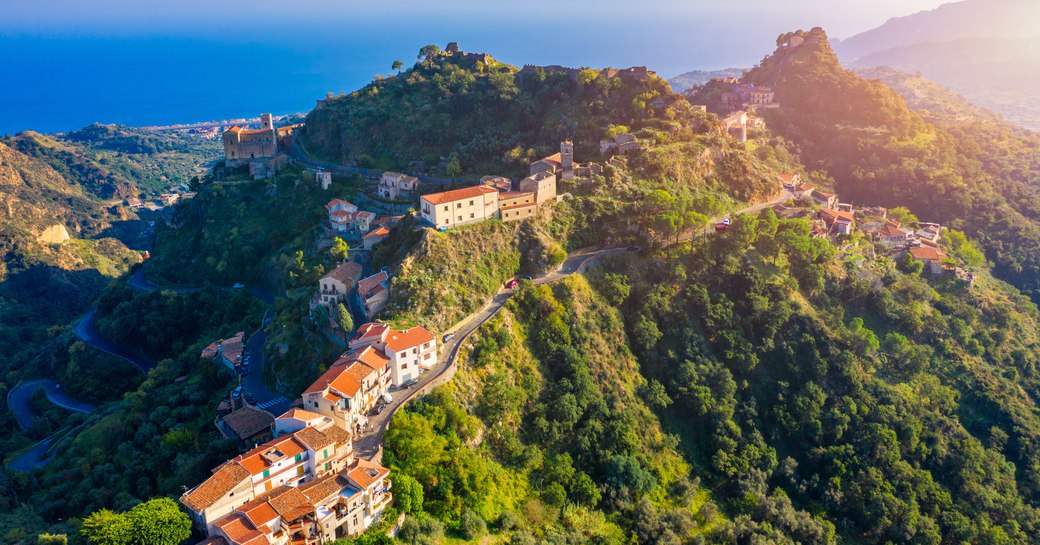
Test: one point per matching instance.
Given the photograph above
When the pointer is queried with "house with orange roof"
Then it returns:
(334, 286)
(893, 236)
(295, 420)
(789, 181)
(839, 222)
(374, 293)
(373, 237)
(338, 505)
(409, 352)
(288, 460)
(350, 388)
(227, 351)
(932, 258)
(459, 206)
(341, 213)
(824, 199)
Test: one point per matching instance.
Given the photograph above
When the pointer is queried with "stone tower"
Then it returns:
(567, 159)
(265, 122)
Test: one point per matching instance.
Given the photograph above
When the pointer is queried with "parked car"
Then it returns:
(236, 393)
(720, 227)
(526, 277)
(57, 386)
(387, 398)
(409, 383)
(377, 410)
(244, 371)
(513, 282)
(725, 221)
(250, 398)
(238, 285)
(448, 337)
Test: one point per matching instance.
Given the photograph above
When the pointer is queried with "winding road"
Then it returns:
(370, 444)
(19, 397)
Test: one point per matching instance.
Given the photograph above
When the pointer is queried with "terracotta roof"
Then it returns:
(838, 214)
(372, 358)
(927, 253)
(459, 194)
(555, 159)
(371, 330)
(335, 202)
(403, 340)
(300, 414)
(254, 460)
(381, 232)
(364, 473)
(215, 540)
(290, 503)
(336, 377)
(239, 530)
(340, 214)
(338, 434)
(891, 231)
(348, 273)
(788, 177)
(258, 511)
(823, 194)
(368, 284)
(313, 438)
(248, 421)
(321, 488)
(223, 480)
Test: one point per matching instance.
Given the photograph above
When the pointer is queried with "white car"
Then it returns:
(238, 285)
(725, 221)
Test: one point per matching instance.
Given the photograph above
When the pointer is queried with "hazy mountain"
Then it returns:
(693, 78)
(988, 51)
(974, 18)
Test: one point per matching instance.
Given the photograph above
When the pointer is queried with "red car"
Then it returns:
(513, 282)
(720, 227)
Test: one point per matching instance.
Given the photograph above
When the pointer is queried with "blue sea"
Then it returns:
(59, 80)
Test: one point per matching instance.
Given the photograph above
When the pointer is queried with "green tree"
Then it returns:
(397, 66)
(408, 493)
(339, 250)
(428, 53)
(106, 527)
(52, 539)
(453, 168)
(343, 318)
(159, 522)
(614, 288)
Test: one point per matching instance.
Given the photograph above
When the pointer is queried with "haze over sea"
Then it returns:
(67, 64)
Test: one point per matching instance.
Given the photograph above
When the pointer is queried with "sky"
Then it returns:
(71, 62)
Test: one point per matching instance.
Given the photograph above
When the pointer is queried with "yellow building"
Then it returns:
(517, 205)
(459, 206)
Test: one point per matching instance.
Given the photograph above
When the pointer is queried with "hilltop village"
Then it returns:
(312, 473)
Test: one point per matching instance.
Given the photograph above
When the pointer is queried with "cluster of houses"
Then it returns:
(346, 217)
(373, 291)
(497, 197)
(306, 485)
(833, 219)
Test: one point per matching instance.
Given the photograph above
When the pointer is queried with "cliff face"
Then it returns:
(47, 230)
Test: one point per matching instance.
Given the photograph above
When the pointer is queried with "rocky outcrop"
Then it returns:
(55, 234)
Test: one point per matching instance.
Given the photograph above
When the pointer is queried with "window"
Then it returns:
(460, 218)
(267, 486)
(471, 203)
(325, 453)
(299, 470)
(445, 208)
(298, 457)
(471, 215)
(459, 205)
(404, 366)
(267, 473)
(328, 466)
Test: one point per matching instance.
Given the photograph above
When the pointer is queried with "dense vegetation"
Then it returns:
(978, 176)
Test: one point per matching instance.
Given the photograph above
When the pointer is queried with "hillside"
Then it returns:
(998, 73)
(976, 177)
(476, 110)
(988, 51)
(948, 22)
(693, 78)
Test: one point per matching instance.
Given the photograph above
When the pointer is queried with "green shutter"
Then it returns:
(267, 473)
(299, 457)
(325, 453)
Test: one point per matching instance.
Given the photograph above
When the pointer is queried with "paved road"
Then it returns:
(266, 398)
(369, 444)
(18, 400)
(87, 332)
